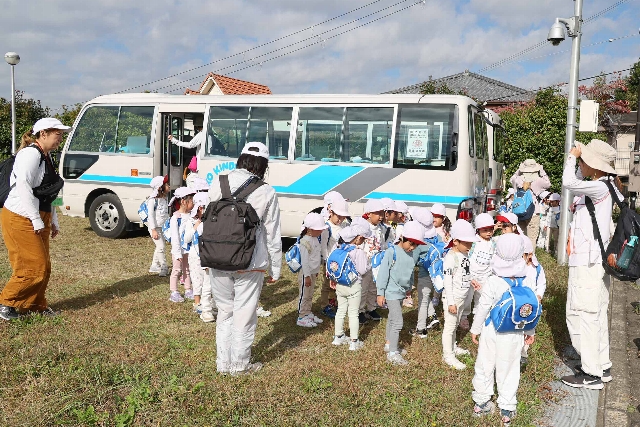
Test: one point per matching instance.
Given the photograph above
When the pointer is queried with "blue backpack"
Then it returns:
(517, 310)
(292, 256)
(166, 229)
(143, 210)
(340, 266)
(194, 241)
(523, 205)
(376, 260)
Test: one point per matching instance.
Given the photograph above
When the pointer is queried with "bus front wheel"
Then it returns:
(107, 216)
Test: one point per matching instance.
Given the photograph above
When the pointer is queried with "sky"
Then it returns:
(72, 51)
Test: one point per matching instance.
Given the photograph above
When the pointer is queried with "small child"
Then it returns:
(158, 214)
(505, 224)
(310, 258)
(337, 213)
(509, 201)
(349, 296)
(389, 223)
(441, 221)
(553, 220)
(190, 174)
(480, 262)
(457, 289)
(403, 217)
(537, 279)
(180, 257)
(373, 214)
(394, 280)
(543, 235)
(498, 353)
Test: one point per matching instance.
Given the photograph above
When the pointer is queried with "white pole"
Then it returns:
(13, 110)
(567, 197)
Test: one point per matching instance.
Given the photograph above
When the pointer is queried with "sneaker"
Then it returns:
(176, 297)
(340, 340)
(154, 269)
(329, 311)
(464, 324)
(407, 302)
(485, 409)
(207, 317)
(402, 351)
(523, 362)
(197, 308)
(606, 374)
(182, 281)
(433, 322)
(582, 379)
(396, 358)
(48, 312)
(188, 294)
(8, 313)
(315, 318)
(373, 315)
(421, 333)
(507, 416)
(355, 345)
(306, 322)
(435, 301)
(261, 312)
(454, 363)
(460, 351)
(251, 368)
(164, 272)
(362, 318)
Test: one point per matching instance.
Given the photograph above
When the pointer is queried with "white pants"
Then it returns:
(475, 299)
(369, 293)
(207, 303)
(196, 272)
(451, 322)
(425, 307)
(499, 354)
(236, 295)
(348, 304)
(587, 303)
(159, 259)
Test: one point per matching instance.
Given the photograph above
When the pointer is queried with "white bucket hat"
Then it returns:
(402, 207)
(484, 220)
(49, 123)
(200, 184)
(340, 207)
(180, 193)
(463, 230)
(507, 260)
(200, 199)
(263, 151)
(389, 204)
(555, 197)
(373, 205)
(599, 155)
(414, 232)
(425, 218)
(156, 184)
(314, 221)
(529, 166)
(438, 209)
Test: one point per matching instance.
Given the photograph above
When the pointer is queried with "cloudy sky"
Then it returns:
(75, 50)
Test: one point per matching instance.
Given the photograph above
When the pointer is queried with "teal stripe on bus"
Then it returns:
(419, 198)
(320, 180)
(115, 179)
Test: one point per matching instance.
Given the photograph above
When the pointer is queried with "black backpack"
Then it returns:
(6, 168)
(229, 228)
(628, 225)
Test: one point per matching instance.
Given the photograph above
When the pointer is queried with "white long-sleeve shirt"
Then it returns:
(198, 139)
(268, 250)
(176, 231)
(310, 255)
(538, 281)
(158, 209)
(28, 173)
(480, 260)
(329, 241)
(457, 277)
(374, 243)
(189, 232)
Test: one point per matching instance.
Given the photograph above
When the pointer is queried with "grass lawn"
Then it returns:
(122, 354)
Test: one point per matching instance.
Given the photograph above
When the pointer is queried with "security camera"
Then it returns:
(556, 33)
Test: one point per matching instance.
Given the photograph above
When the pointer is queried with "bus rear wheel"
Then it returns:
(107, 217)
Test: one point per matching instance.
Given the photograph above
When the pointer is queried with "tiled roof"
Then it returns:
(476, 86)
(231, 86)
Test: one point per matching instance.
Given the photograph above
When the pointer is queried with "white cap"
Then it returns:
(355, 230)
(463, 230)
(555, 197)
(332, 196)
(389, 204)
(156, 183)
(373, 205)
(402, 207)
(361, 221)
(314, 221)
(510, 191)
(510, 217)
(263, 151)
(49, 123)
(484, 220)
(200, 199)
(200, 184)
(425, 218)
(340, 207)
(180, 193)
(414, 231)
(438, 209)
(543, 195)
(507, 258)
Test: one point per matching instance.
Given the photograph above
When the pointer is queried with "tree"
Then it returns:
(28, 111)
(633, 81)
(69, 113)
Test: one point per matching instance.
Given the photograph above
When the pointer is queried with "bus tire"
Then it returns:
(107, 216)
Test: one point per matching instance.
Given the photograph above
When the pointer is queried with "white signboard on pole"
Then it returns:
(417, 143)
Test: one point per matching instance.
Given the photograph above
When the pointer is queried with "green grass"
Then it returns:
(122, 354)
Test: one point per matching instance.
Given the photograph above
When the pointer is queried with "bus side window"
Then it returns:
(96, 131)
(472, 135)
(480, 136)
(226, 131)
(134, 130)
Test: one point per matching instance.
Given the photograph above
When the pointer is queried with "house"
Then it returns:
(484, 89)
(625, 141)
(216, 84)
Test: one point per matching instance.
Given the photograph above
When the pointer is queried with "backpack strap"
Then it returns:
(613, 192)
(538, 270)
(224, 186)
(596, 230)
(247, 188)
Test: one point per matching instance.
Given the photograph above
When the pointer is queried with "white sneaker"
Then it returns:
(355, 345)
(340, 340)
(460, 351)
(402, 351)
(396, 358)
(454, 363)
(315, 318)
(251, 368)
(207, 317)
(154, 269)
(306, 322)
(261, 312)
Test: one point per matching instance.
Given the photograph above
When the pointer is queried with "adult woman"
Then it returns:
(588, 290)
(28, 219)
(531, 176)
(236, 293)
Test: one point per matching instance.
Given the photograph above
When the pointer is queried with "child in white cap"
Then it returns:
(180, 257)
(310, 258)
(480, 261)
(506, 223)
(499, 353)
(543, 207)
(389, 222)
(394, 280)
(373, 214)
(553, 222)
(349, 296)
(158, 210)
(537, 279)
(403, 216)
(441, 221)
(457, 289)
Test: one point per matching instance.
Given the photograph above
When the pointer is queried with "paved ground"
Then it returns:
(633, 345)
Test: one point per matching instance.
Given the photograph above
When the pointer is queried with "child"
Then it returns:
(190, 237)
(510, 195)
(158, 214)
(537, 279)
(180, 257)
(505, 224)
(553, 220)
(310, 254)
(403, 217)
(349, 296)
(373, 214)
(457, 289)
(479, 262)
(499, 353)
(394, 280)
(441, 222)
(190, 174)
(544, 214)
(389, 223)
(337, 212)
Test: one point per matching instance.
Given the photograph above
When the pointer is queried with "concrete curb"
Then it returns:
(614, 400)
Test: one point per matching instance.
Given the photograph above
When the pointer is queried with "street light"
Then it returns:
(556, 36)
(13, 59)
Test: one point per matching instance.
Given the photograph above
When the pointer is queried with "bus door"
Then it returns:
(481, 158)
(172, 155)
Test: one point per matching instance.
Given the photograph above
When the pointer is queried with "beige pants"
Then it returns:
(305, 294)
(531, 228)
(348, 305)
(369, 293)
(451, 322)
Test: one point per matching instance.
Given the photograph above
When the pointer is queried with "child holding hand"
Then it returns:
(183, 197)
(158, 210)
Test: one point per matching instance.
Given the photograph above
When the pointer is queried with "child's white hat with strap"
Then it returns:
(314, 221)
(156, 184)
(438, 209)
(200, 199)
(180, 193)
(340, 207)
(414, 232)
(484, 220)
(463, 231)
(402, 207)
(373, 205)
(425, 218)
(507, 258)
